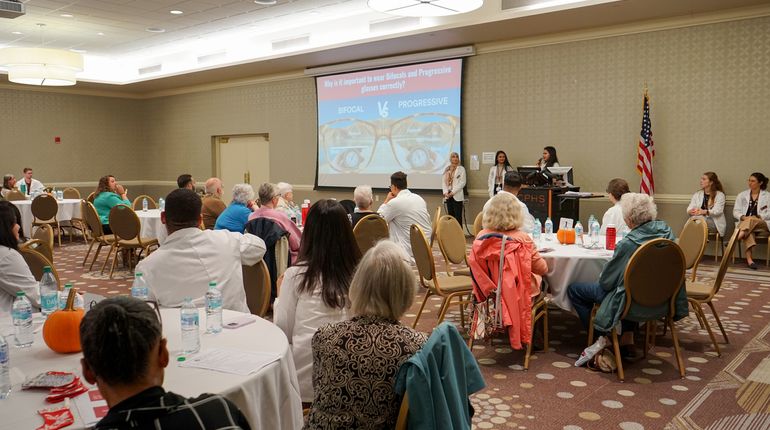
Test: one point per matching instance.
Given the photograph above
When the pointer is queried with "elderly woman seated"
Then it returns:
(362, 195)
(355, 362)
(639, 212)
(286, 201)
(235, 217)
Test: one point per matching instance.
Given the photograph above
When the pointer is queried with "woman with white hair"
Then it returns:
(502, 233)
(235, 217)
(286, 201)
(363, 197)
(355, 362)
(640, 213)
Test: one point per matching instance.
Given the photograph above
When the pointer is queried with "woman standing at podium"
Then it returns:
(497, 173)
(549, 158)
(452, 187)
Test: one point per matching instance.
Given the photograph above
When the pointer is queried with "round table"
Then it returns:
(68, 208)
(269, 398)
(571, 263)
(151, 224)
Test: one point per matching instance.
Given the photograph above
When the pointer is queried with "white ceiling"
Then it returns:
(228, 39)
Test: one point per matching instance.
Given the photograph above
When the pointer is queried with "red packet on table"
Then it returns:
(56, 418)
(49, 380)
(61, 393)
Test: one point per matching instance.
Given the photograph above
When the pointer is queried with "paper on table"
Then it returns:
(91, 406)
(579, 194)
(234, 361)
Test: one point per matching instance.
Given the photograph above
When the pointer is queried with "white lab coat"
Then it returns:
(191, 258)
(716, 212)
(491, 179)
(742, 205)
(401, 212)
(35, 187)
(614, 215)
(457, 184)
(15, 276)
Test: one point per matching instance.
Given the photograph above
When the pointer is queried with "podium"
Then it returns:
(544, 202)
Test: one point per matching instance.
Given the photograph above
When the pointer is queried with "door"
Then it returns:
(242, 159)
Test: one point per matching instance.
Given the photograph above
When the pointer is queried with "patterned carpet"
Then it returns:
(731, 391)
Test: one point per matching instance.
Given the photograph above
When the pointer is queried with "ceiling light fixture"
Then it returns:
(155, 30)
(41, 66)
(422, 8)
(266, 2)
(175, 12)
(66, 15)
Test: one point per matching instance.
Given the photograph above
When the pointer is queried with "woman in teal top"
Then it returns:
(108, 195)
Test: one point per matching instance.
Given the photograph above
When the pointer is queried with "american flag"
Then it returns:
(646, 151)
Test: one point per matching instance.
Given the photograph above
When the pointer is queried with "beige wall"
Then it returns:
(710, 89)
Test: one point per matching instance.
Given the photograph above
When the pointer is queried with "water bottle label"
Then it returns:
(22, 314)
(49, 301)
(4, 356)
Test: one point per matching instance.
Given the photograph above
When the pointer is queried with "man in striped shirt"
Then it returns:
(125, 355)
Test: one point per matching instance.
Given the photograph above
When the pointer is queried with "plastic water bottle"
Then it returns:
(213, 309)
(536, 229)
(63, 294)
(144, 204)
(595, 228)
(162, 204)
(22, 320)
(191, 341)
(578, 233)
(5, 365)
(139, 289)
(49, 292)
(548, 229)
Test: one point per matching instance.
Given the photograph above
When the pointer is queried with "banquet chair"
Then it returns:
(256, 283)
(282, 255)
(36, 262)
(451, 243)
(14, 195)
(137, 204)
(433, 226)
(91, 197)
(403, 414)
(477, 227)
(693, 240)
(127, 228)
(44, 234)
(653, 277)
(97, 233)
(700, 293)
(71, 193)
(370, 230)
(447, 287)
(44, 210)
(349, 205)
(760, 238)
(719, 244)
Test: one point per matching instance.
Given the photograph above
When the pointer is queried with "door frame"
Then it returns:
(216, 153)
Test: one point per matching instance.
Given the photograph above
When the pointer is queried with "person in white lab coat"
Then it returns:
(614, 215)
(752, 213)
(190, 258)
(452, 184)
(709, 203)
(497, 173)
(31, 185)
(401, 209)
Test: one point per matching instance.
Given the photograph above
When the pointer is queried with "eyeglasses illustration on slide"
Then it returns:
(420, 143)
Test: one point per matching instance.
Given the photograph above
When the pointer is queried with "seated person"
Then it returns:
(213, 206)
(125, 355)
(186, 180)
(614, 215)
(401, 209)
(355, 362)
(16, 275)
(504, 217)
(512, 185)
(108, 195)
(639, 212)
(752, 213)
(708, 203)
(190, 258)
(314, 292)
(362, 195)
(9, 184)
(286, 201)
(31, 185)
(235, 216)
(268, 198)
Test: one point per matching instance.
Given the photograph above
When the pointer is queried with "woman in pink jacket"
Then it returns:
(522, 270)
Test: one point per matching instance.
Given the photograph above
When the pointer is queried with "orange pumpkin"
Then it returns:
(61, 331)
(566, 236)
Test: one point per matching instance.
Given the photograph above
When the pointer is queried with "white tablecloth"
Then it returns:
(571, 263)
(268, 398)
(151, 224)
(68, 208)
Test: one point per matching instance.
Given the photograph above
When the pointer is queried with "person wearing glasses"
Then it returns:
(452, 185)
(401, 209)
(752, 213)
(497, 173)
(125, 355)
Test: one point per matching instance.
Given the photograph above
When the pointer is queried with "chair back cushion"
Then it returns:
(71, 193)
(44, 207)
(423, 258)
(727, 259)
(370, 230)
(44, 233)
(451, 239)
(256, 282)
(91, 197)
(92, 218)
(477, 227)
(15, 195)
(124, 223)
(693, 240)
(654, 274)
(36, 262)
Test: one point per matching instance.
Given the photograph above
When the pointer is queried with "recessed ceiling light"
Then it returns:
(79, 51)
(155, 30)
(66, 15)
(266, 2)
(175, 12)
(16, 32)
(100, 34)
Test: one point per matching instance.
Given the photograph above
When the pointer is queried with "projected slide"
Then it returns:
(376, 122)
